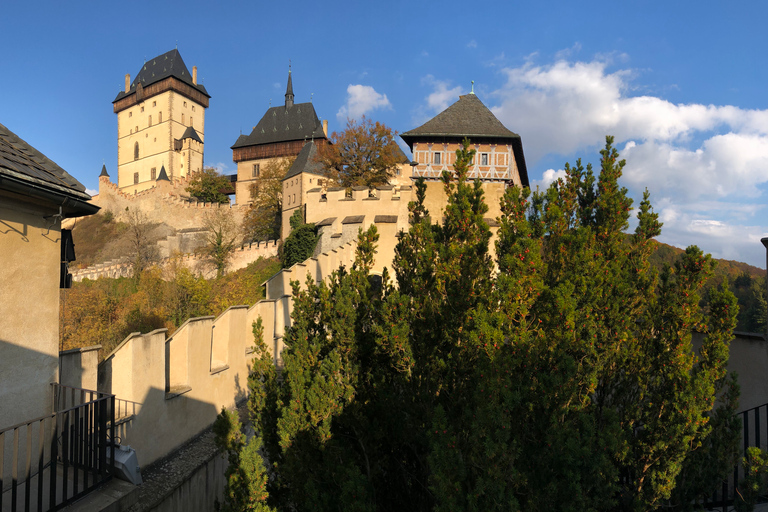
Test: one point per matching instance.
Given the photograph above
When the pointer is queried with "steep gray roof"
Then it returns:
(190, 133)
(104, 171)
(306, 162)
(284, 123)
(163, 175)
(27, 171)
(469, 118)
(161, 67)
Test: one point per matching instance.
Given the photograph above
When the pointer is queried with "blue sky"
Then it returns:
(680, 84)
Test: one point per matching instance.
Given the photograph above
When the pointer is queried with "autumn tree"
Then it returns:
(263, 219)
(209, 186)
(138, 234)
(364, 154)
(221, 236)
(564, 380)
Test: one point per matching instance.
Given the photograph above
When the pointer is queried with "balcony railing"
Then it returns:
(49, 462)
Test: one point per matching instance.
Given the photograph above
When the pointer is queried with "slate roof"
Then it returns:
(470, 118)
(306, 162)
(284, 123)
(104, 171)
(26, 170)
(161, 67)
(190, 133)
(163, 175)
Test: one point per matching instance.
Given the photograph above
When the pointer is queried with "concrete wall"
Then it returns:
(199, 492)
(30, 250)
(78, 368)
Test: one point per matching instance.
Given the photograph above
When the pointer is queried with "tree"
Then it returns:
(365, 154)
(301, 241)
(263, 219)
(143, 251)
(209, 186)
(221, 236)
(566, 380)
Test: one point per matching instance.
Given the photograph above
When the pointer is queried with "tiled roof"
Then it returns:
(16, 155)
(306, 162)
(25, 170)
(284, 123)
(190, 133)
(161, 67)
(467, 117)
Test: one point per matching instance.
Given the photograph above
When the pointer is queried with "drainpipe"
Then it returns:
(765, 244)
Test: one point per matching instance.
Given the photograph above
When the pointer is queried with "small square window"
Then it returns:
(255, 172)
(484, 159)
(142, 109)
(185, 103)
(436, 159)
(193, 108)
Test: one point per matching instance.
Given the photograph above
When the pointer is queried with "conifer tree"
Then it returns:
(560, 376)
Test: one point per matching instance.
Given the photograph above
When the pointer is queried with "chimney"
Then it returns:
(194, 75)
(325, 127)
(128, 82)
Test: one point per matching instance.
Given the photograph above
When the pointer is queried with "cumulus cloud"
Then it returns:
(442, 95)
(472, 44)
(705, 165)
(91, 192)
(362, 99)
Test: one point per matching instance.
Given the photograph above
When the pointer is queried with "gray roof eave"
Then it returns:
(75, 201)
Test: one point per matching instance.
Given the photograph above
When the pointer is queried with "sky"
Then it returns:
(680, 85)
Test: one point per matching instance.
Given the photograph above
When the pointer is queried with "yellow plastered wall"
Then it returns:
(29, 300)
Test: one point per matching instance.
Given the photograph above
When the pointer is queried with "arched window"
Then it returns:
(135, 150)
(150, 121)
(159, 117)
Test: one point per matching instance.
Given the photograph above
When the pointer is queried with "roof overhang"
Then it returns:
(73, 203)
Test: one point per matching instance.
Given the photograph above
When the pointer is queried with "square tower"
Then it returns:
(160, 123)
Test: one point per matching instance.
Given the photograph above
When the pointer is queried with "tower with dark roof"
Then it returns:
(160, 123)
(499, 151)
(281, 133)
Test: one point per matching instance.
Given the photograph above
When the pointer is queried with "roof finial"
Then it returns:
(473, 88)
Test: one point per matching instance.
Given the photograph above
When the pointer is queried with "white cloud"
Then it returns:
(547, 178)
(362, 99)
(441, 96)
(705, 165)
(472, 44)
(91, 192)
(220, 167)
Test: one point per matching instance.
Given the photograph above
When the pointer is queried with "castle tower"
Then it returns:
(160, 123)
(282, 132)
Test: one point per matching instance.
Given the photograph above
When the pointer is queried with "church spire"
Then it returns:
(289, 90)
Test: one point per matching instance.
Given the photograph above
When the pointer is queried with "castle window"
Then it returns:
(150, 121)
(255, 173)
(137, 128)
(154, 103)
(130, 114)
(193, 108)
(484, 159)
(135, 178)
(185, 103)
(142, 109)
(159, 117)
(154, 173)
(136, 151)
(182, 118)
(436, 158)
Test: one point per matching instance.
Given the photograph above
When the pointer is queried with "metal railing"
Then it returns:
(49, 462)
(754, 423)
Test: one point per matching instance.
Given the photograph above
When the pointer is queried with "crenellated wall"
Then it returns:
(198, 263)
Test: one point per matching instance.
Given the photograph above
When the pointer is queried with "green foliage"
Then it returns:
(209, 186)
(566, 380)
(755, 465)
(300, 243)
(246, 477)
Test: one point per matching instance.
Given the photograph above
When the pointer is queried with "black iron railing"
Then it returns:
(49, 462)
